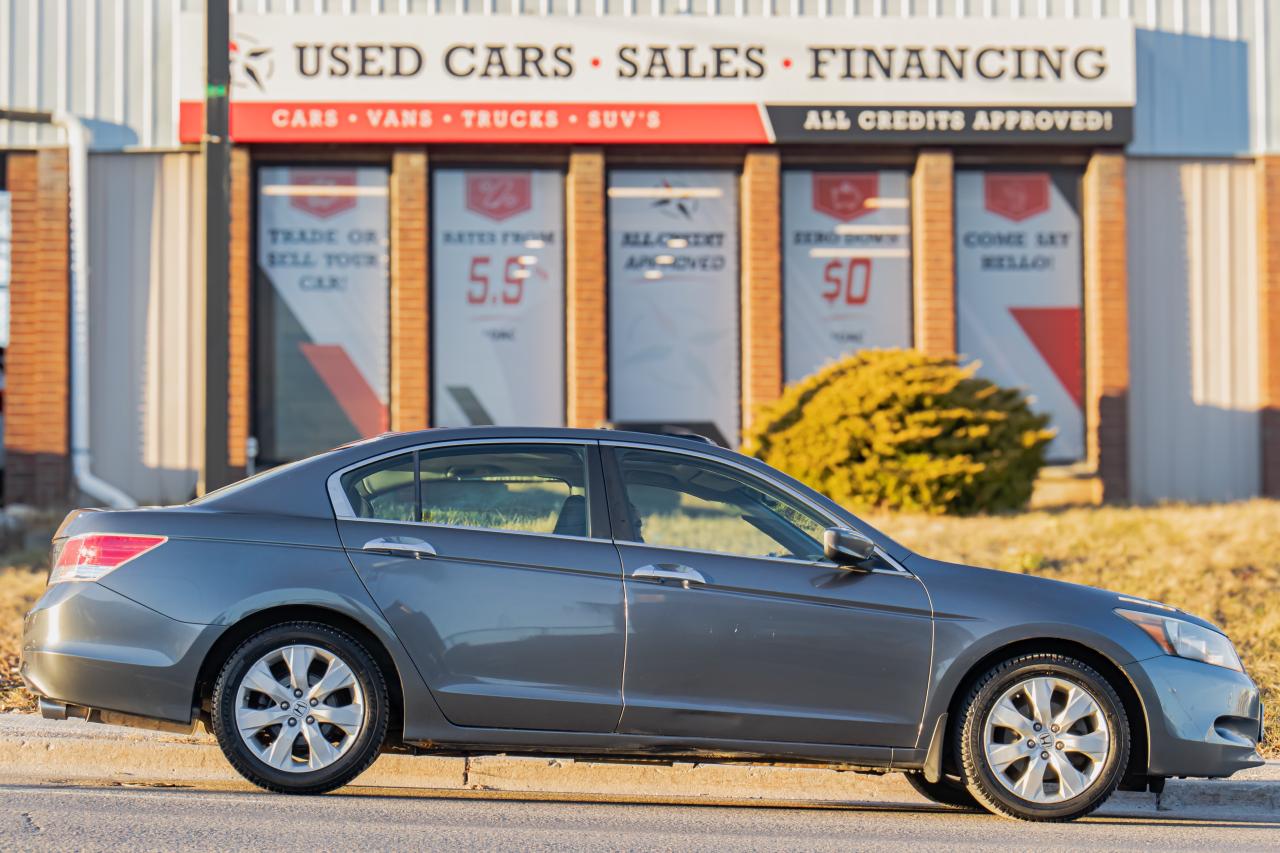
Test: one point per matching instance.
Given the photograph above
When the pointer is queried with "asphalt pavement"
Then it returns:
(168, 816)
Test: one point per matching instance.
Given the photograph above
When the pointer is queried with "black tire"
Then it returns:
(365, 744)
(948, 791)
(981, 778)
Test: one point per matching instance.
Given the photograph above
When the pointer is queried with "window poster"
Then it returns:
(1019, 290)
(846, 265)
(498, 289)
(322, 315)
(673, 300)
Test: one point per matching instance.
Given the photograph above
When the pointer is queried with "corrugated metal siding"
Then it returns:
(1203, 65)
(111, 62)
(1193, 331)
(146, 335)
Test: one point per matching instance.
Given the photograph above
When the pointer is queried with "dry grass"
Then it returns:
(22, 581)
(1221, 562)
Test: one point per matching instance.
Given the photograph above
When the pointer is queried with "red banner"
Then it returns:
(491, 122)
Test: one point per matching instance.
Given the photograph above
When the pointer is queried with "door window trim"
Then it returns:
(596, 506)
(613, 481)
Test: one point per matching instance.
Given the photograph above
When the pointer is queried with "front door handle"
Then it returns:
(669, 571)
(403, 546)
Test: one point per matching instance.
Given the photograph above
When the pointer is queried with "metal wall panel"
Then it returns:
(146, 331)
(1204, 66)
(1193, 331)
(111, 62)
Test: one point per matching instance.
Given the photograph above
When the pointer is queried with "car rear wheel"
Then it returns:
(947, 791)
(300, 708)
(1044, 738)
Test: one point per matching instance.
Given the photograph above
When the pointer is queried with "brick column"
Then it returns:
(933, 256)
(1106, 323)
(1268, 189)
(586, 320)
(761, 199)
(410, 303)
(37, 363)
(239, 309)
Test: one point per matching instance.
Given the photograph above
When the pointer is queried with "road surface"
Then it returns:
(161, 816)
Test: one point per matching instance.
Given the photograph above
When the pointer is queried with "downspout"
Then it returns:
(86, 481)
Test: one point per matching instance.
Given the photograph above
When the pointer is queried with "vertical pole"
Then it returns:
(216, 147)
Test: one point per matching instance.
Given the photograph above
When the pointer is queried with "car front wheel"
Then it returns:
(1044, 738)
(300, 708)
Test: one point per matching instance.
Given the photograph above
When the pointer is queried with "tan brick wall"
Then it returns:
(761, 200)
(239, 308)
(37, 362)
(1268, 173)
(410, 300)
(586, 320)
(933, 260)
(1106, 323)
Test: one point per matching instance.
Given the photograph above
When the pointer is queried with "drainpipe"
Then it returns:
(96, 488)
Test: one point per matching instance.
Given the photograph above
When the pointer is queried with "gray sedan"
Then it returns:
(592, 593)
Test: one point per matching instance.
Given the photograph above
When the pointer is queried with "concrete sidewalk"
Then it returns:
(33, 748)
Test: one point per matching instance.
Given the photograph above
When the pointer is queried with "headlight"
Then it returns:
(1186, 639)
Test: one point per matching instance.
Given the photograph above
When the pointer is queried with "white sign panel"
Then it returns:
(323, 252)
(498, 317)
(673, 299)
(846, 265)
(6, 252)
(1019, 289)
(558, 79)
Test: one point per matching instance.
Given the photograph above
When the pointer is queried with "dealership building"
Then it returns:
(567, 213)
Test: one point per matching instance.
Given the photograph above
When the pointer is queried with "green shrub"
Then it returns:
(901, 430)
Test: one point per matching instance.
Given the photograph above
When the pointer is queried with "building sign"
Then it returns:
(846, 265)
(322, 319)
(557, 79)
(673, 300)
(6, 253)
(1019, 286)
(498, 282)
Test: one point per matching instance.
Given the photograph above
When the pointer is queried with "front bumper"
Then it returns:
(1202, 720)
(84, 644)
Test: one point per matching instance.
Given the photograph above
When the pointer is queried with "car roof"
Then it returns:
(301, 487)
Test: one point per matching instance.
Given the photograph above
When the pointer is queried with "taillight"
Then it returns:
(90, 556)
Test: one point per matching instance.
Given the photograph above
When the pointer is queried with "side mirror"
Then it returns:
(846, 547)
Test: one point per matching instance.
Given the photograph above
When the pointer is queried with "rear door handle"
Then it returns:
(403, 546)
(669, 571)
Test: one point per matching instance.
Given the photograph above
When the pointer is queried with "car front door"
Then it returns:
(493, 563)
(740, 629)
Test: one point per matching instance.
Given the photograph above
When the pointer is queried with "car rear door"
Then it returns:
(740, 630)
(493, 563)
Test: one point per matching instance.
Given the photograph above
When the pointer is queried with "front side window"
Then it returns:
(525, 488)
(680, 501)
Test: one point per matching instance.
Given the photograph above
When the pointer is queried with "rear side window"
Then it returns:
(385, 490)
(522, 488)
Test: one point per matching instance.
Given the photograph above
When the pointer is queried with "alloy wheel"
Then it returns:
(299, 708)
(1046, 739)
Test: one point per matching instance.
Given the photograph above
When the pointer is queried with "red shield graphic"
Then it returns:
(1016, 195)
(499, 195)
(329, 194)
(844, 196)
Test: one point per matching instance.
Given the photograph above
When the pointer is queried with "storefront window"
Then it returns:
(846, 265)
(498, 285)
(1019, 287)
(321, 319)
(673, 300)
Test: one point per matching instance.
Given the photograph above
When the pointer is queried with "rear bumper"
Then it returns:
(83, 644)
(1202, 720)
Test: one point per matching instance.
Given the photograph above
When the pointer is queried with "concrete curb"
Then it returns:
(74, 750)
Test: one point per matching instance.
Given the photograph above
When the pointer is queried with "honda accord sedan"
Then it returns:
(605, 593)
